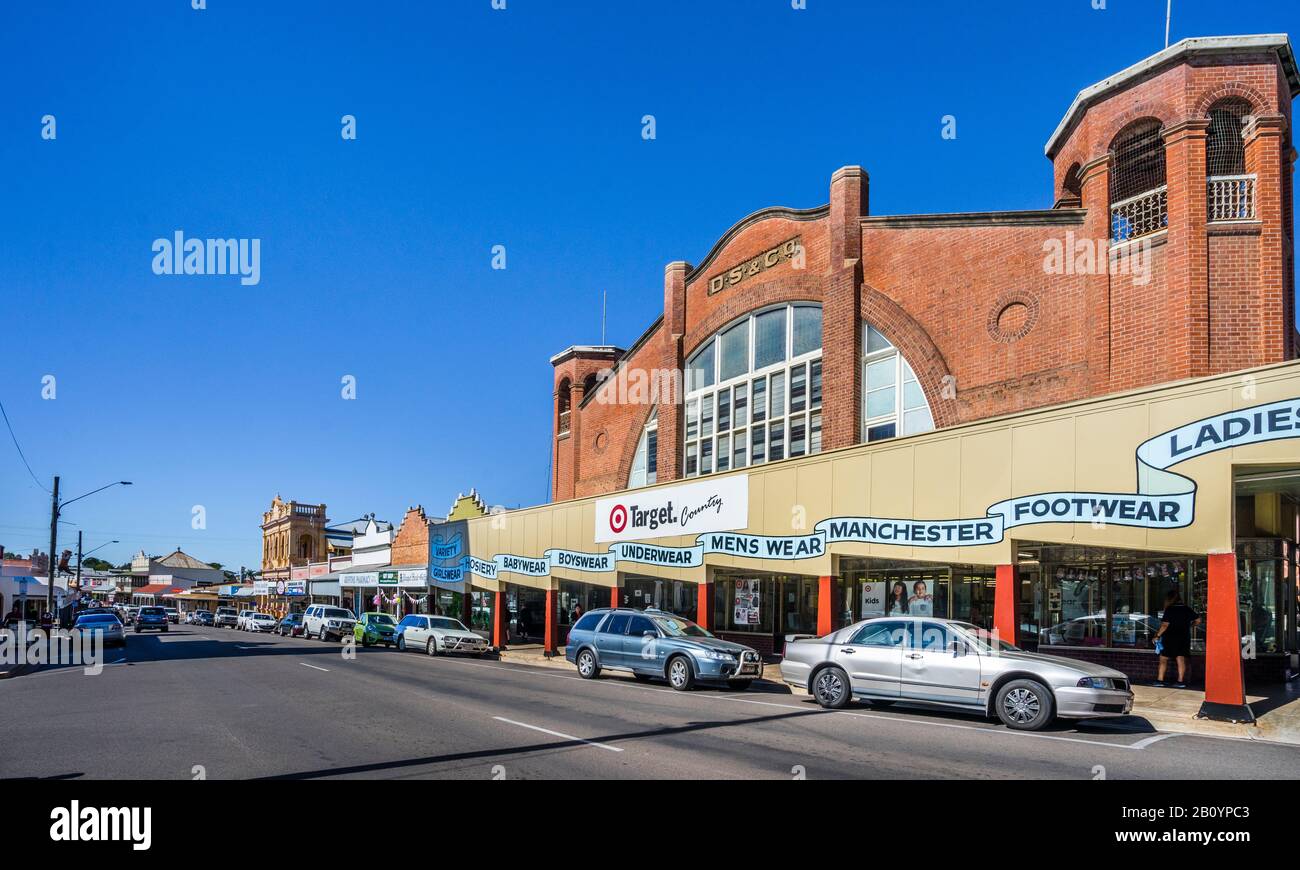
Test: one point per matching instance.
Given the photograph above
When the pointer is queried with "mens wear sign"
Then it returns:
(691, 508)
(1164, 500)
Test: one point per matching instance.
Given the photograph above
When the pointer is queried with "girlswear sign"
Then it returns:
(1164, 500)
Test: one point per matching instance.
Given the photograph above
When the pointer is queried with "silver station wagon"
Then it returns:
(954, 664)
(653, 644)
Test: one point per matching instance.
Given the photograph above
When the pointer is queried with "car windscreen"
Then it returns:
(382, 618)
(675, 626)
(337, 613)
(447, 623)
(152, 611)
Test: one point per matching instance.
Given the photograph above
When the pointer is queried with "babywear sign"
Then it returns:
(1164, 500)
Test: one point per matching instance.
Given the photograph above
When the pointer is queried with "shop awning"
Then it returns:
(156, 589)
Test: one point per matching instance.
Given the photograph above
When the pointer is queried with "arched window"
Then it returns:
(562, 406)
(306, 547)
(893, 402)
(1138, 202)
(645, 462)
(1229, 190)
(754, 391)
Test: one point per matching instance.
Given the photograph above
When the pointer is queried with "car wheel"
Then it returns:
(164, 629)
(831, 688)
(588, 667)
(681, 676)
(320, 634)
(1025, 705)
(432, 646)
(739, 685)
(401, 644)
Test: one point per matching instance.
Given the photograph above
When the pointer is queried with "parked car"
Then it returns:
(173, 615)
(242, 624)
(954, 664)
(438, 634)
(653, 643)
(128, 614)
(152, 618)
(202, 617)
(260, 622)
(225, 617)
(290, 625)
(1127, 629)
(375, 628)
(326, 622)
(103, 622)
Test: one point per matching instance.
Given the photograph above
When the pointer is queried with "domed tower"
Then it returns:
(1184, 163)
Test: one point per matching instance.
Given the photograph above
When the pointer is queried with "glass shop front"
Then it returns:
(759, 609)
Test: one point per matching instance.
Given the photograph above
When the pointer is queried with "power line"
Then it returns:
(22, 455)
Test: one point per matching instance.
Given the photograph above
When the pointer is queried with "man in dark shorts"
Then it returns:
(1175, 637)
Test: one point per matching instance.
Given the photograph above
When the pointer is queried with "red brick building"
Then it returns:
(1171, 231)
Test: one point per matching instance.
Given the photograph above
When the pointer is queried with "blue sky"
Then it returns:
(475, 128)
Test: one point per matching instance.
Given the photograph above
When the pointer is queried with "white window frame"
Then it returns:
(644, 477)
(902, 372)
(708, 396)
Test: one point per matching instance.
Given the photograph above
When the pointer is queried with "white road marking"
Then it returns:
(180, 637)
(237, 646)
(313, 667)
(986, 729)
(557, 734)
(1156, 738)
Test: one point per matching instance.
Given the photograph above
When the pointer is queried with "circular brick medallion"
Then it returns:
(1012, 316)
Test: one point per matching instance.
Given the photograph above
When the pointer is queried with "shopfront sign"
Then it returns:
(687, 509)
(295, 587)
(413, 577)
(360, 579)
(261, 587)
(387, 578)
(1163, 500)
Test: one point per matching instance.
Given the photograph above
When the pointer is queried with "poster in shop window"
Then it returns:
(873, 599)
(746, 603)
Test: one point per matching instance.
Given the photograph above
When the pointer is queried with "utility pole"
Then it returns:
(54, 543)
(78, 560)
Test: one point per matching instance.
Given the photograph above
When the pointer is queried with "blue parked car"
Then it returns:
(654, 644)
(151, 617)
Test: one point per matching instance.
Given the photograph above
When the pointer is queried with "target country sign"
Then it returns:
(1164, 500)
(715, 505)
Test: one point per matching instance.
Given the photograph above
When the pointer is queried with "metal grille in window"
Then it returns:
(1230, 192)
(1138, 203)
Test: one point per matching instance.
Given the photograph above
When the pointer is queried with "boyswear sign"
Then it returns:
(707, 506)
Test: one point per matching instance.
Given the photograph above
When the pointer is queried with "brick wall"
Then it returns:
(990, 322)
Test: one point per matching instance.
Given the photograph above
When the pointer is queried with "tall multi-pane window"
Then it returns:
(893, 401)
(645, 460)
(754, 391)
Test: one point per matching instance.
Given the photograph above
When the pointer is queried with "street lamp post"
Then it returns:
(81, 555)
(55, 508)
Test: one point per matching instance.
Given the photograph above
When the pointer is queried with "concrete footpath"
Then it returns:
(1276, 708)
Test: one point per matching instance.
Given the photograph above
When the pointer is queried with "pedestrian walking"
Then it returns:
(1174, 638)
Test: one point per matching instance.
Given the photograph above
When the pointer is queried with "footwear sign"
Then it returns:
(1164, 500)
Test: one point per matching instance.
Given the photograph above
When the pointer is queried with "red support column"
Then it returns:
(551, 638)
(613, 597)
(1004, 603)
(1225, 685)
(825, 605)
(704, 606)
(499, 619)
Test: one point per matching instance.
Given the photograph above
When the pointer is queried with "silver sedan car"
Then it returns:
(954, 664)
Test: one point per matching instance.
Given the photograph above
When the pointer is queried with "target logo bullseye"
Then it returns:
(618, 518)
